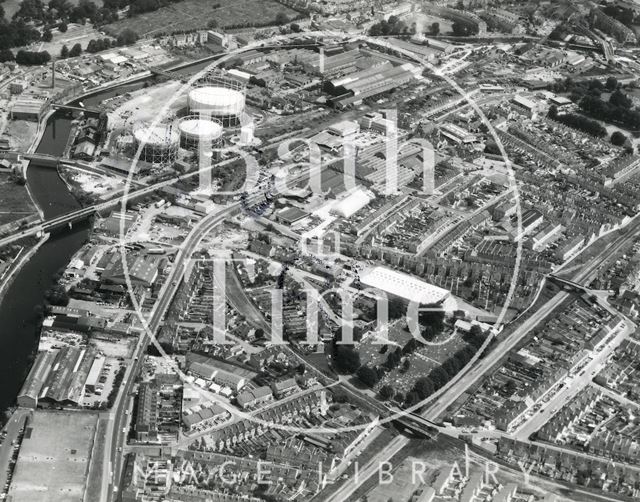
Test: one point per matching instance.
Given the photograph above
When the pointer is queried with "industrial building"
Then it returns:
(219, 372)
(351, 204)
(28, 109)
(407, 287)
(355, 87)
(140, 271)
(57, 377)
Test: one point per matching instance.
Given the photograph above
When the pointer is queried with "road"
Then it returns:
(116, 436)
(573, 385)
(12, 428)
(485, 365)
(587, 274)
(85, 211)
(347, 489)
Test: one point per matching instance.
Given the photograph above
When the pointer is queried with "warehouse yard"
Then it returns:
(192, 15)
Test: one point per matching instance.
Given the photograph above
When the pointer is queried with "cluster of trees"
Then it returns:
(578, 90)
(626, 16)
(17, 33)
(392, 26)
(617, 110)
(75, 51)
(21, 30)
(126, 37)
(371, 376)
(431, 321)
(6, 55)
(439, 376)
(461, 29)
(346, 359)
(57, 295)
(64, 11)
(32, 58)
(579, 122)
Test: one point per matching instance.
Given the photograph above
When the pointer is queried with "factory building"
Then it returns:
(57, 377)
(408, 288)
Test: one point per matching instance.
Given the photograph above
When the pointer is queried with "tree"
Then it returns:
(6, 55)
(582, 123)
(346, 359)
(411, 398)
(32, 58)
(62, 27)
(424, 387)
(127, 37)
(612, 83)
(476, 331)
(47, 36)
(432, 318)
(57, 295)
(84, 10)
(30, 10)
(439, 377)
(386, 392)
(281, 18)
(618, 139)
(553, 112)
(367, 376)
(64, 52)
(212, 24)
(619, 99)
(461, 29)
(435, 28)
(62, 7)
(397, 308)
(75, 51)
(451, 366)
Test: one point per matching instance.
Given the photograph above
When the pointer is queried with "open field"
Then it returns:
(75, 34)
(192, 15)
(54, 457)
(16, 203)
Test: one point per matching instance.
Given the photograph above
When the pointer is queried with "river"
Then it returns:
(19, 321)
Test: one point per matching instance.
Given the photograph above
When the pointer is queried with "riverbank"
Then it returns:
(16, 267)
(37, 271)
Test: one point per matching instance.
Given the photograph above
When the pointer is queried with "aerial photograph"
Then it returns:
(320, 250)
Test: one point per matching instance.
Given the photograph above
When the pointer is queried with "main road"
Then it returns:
(587, 274)
(88, 210)
(439, 405)
(116, 428)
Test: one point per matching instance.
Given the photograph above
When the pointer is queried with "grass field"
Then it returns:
(191, 15)
(16, 203)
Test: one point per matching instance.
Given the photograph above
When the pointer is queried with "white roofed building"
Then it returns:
(408, 287)
(350, 205)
